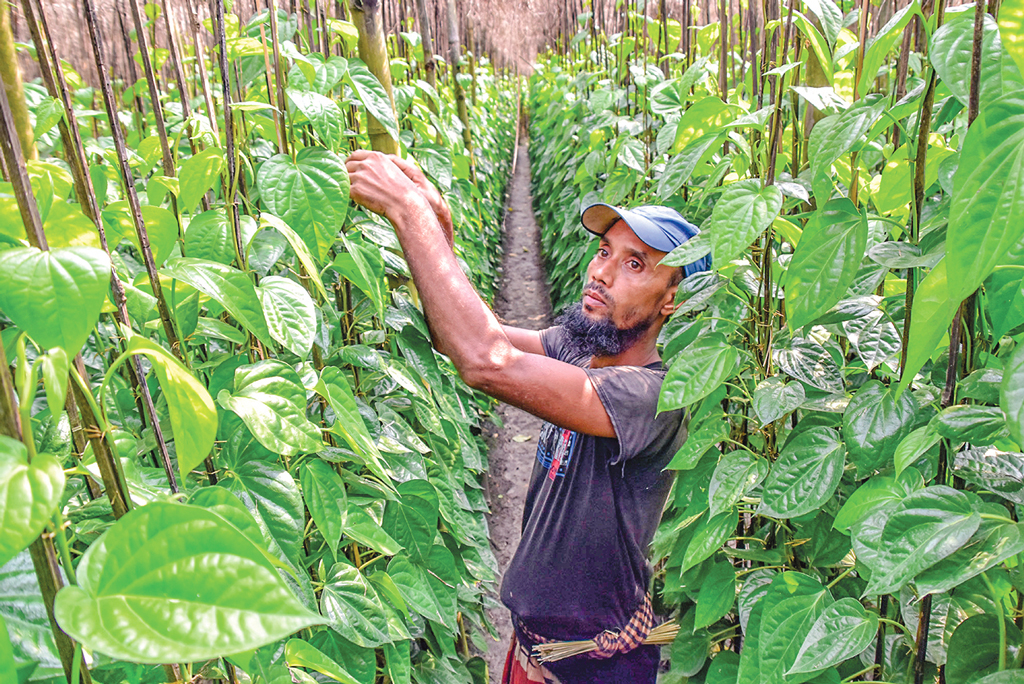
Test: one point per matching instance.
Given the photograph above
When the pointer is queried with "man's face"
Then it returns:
(625, 284)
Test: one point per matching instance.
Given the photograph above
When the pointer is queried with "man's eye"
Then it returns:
(635, 265)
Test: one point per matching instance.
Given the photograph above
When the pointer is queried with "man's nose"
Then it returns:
(600, 270)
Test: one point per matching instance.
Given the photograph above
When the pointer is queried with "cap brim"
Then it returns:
(598, 218)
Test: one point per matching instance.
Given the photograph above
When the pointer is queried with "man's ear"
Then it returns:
(668, 302)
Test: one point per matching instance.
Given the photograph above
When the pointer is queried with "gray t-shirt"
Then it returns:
(592, 508)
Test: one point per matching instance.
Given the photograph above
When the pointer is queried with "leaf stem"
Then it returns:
(843, 574)
(902, 627)
(867, 669)
(64, 549)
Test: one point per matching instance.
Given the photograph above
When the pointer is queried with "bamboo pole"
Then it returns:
(129, 183)
(74, 152)
(15, 91)
(454, 57)
(429, 64)
(366, 15)
(220, 30)
(279, 78)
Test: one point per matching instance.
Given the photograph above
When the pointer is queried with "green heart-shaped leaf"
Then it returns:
(54, 296)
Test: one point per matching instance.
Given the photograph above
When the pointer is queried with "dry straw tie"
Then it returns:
(553, 651)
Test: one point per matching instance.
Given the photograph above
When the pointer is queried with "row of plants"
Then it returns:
(228, 450)
(846, 506)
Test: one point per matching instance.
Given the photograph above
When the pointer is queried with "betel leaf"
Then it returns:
(428, 589)
(360, 526)
(690, 648)
(290, 313)
(774, 399)
(412, 519)
(270, 398)
(372, 94)
(6, 650)
(842, 631)
(874, 338)
(298, 653)
(975, 424)
(792, 606)
(873, 495)
(710, 535)
(741, 214)
(690, 251)
(197, 175)
(353, 607)
(805, 474)
(989, 216)
(161, 228)
(23, 609)
(1011, 393)
(708, 362)
(325, 497)
(830, 16)
(273, 500)
(348, 423)
(1001, 472)
(192, 411)
(707, 115)
(717, 594)
(828, 143)
(806, 360)
(1011, 30)
(736, 474)
(913, 446)
(54, 367)
(368, 274)
(882, 43)
(54, 296)
(825, 262)
(682, 165)
(322, 113)
(709, 433)
(875, 423)
(817, 43)
(994, 542)
(29, 495)
(228, 286)
(302, 252)
(924, 528)
(950, 52)
(173, 583)
(310, 194)
(934, 307)
(974, 648)
(210, 236)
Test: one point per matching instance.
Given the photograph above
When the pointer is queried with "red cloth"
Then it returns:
(521, 668)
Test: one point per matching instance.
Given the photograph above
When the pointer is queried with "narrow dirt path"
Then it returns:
(522, 301)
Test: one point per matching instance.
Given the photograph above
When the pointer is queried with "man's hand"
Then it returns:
(377, 184)
(431, 194)
(385, 184)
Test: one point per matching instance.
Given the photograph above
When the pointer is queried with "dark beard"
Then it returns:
(586, 337)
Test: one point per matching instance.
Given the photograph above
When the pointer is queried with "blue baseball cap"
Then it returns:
(662, 228)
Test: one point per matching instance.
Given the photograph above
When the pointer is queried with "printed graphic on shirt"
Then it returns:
(555, 449)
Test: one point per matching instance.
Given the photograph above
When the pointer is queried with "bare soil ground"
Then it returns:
(522, 301)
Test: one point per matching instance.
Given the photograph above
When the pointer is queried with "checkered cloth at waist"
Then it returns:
(609, 642)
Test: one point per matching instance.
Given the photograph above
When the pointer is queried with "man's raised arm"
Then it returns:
(522, 339)
(465, 328)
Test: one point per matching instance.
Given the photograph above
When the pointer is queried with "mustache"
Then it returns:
(599, 289)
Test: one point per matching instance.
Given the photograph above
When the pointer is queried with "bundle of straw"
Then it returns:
(661, 635)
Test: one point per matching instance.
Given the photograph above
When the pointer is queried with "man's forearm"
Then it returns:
(462, 325)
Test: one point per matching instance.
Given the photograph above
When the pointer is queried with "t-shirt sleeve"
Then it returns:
(630, 396)
(551, 340)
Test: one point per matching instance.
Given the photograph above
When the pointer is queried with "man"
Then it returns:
(598, 485)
